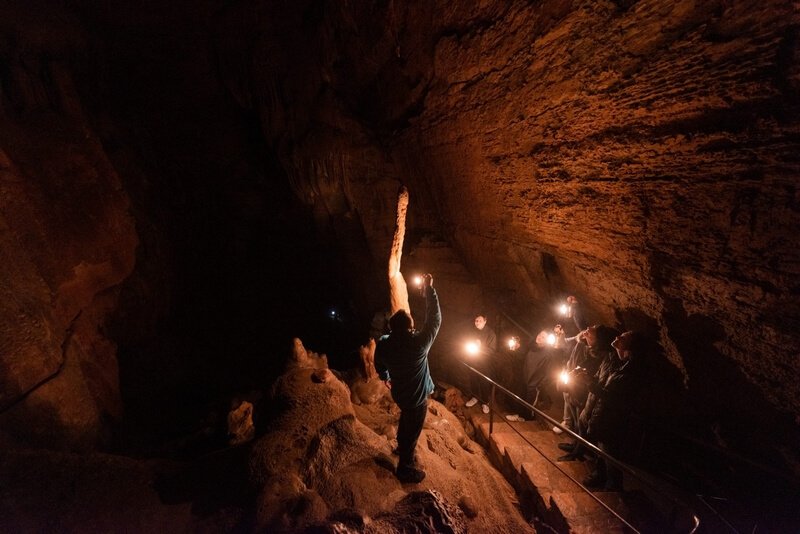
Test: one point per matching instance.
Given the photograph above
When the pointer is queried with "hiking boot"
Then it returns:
(571, 457)
(410, 475)
(567, 447)
(594, 481)
(472, 402)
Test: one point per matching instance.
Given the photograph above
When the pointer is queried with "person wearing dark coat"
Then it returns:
(605, 421)
(572, 383)
(594, 364)
(483, 335)
(401, 359)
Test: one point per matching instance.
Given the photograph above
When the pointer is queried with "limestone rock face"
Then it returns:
(638, 154)
(66, 240)
(328, 464)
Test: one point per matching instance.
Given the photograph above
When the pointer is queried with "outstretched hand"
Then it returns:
(427, 280)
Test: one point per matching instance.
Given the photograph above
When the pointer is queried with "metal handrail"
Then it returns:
(695, 518)
(728, 454)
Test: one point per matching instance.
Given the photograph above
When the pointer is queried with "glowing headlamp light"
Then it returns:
(418, 281)
(564, 377)
(551, 339)
(513, 343)
(473, 347)
(564, 309)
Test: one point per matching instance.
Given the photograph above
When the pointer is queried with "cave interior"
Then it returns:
(185, 187)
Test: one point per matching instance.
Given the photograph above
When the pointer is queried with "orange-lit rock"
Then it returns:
(67, 241)
(641, 155)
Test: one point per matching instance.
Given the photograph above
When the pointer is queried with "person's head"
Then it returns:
(401, 321)
(627, 344)
(599, 336)
(480, 321)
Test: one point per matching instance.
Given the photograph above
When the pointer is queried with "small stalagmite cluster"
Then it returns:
(327, 460)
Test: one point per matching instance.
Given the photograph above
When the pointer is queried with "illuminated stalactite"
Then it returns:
(398, 291)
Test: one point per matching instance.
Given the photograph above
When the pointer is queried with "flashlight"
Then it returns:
(513, 343)
(333, 314)
(418, 281)
(564, 377)
(473, 347)
(564, 309)
(551, 339)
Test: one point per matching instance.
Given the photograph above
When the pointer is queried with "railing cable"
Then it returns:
(587, 444)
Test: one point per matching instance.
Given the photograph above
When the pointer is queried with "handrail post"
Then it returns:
(592, 447)
(491, 411)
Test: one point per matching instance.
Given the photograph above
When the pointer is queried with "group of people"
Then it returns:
(600, 372)
(601, 377)
(603, 374)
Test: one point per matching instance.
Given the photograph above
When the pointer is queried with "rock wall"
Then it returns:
(641, 155)
(66, 242)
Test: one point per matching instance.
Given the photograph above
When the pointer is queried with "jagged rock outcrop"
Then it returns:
(639, 154)
(320, 465)
(67, 242)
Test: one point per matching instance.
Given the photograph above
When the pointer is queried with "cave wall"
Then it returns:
(641, 155)
(67, 241)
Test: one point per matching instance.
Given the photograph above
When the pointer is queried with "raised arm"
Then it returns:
(433, 313)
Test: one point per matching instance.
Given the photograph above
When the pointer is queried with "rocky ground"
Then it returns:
(323, 464)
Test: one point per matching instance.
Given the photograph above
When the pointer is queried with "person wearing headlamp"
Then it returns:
(484, 348)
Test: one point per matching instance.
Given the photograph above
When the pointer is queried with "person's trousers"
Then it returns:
(572, 413)
(606, 470)
(537, 368)
(479, 387)
(408, 431)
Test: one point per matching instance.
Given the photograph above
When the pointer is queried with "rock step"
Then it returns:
(545, 488)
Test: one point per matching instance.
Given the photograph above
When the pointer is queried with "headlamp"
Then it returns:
(472, 347)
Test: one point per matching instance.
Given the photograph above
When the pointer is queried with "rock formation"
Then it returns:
(641, 155)
(67, 242)
(326, 461)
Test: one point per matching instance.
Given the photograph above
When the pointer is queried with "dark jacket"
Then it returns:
(487, 338)
(577, 390)
(403, 357)
(615, 394)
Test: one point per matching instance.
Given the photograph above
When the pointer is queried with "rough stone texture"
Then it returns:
(641, 155)
(638, 154)
(66, 242)
(325, 458)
